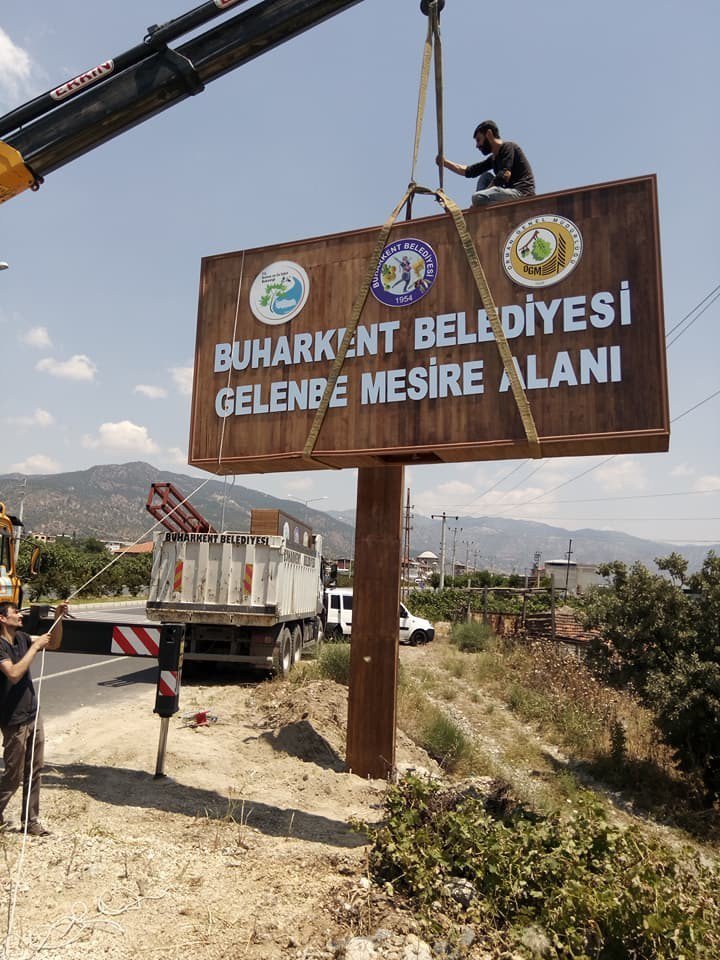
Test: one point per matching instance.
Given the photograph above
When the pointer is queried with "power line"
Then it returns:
(497, 483)
(638, 496)
(578, 476)
(627, 496)
(602, 463)
(683, 540)
(626, 519)
(697, 317)
(690, 410)
(525, 479)
(584, 473)
(715, 292)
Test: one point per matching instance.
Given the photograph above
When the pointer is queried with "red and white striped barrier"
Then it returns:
(135, 641)
(168, 683)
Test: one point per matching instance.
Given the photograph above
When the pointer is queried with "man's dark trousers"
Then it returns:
(17, 751)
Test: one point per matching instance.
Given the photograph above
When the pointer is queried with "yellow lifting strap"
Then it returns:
(352, 326)
(432, 41)
(15, 176)
(523, 404)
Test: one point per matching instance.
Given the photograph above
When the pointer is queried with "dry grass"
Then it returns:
(432, 729)
(605, 733)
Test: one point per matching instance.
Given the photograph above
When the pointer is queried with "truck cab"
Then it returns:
(338, 619)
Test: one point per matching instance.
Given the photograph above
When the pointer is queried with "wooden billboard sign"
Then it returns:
(576, 279)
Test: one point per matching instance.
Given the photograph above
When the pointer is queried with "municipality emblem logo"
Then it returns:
(542, 251)
(405, 273)
(279, 292)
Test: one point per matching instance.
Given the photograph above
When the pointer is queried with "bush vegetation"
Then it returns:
(429, 727)
(603, 730)
(67, 564)
(452, 603)
(583, 887)
(334, 662)
(660, 637)
(471, 637)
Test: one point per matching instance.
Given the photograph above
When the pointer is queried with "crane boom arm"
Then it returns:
(154, 78)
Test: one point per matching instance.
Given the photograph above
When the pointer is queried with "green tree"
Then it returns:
(704, 593)
(64, 569)
(67, 565)
(644, 622)
(686, 703)
(675, 565)
(665, 640)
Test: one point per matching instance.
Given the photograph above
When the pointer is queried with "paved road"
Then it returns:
(76, 679)
(73, 679)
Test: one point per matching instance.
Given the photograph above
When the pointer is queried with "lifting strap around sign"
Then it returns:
(523, 404)
(488, 303)
(352, 327)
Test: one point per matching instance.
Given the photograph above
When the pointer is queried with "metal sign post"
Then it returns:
(167, 696)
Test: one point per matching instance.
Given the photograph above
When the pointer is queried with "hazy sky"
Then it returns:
(98, 308)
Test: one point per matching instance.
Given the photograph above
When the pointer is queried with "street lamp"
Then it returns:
(291, 496)
(3, 265)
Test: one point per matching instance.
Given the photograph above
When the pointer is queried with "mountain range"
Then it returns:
(108, 502)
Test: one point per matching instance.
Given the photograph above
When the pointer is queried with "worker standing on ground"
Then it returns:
(19, 712)
(505, 175)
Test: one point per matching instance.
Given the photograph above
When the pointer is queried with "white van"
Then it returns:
(338, 619)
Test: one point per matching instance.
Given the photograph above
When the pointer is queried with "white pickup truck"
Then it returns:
(251, 598)
(338, 619)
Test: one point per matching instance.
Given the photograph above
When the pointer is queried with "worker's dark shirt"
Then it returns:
(510, 157)
(18, 703)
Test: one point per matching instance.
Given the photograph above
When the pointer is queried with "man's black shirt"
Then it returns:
(510, 157)
(18, 703)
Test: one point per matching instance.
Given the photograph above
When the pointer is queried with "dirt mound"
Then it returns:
(307, 721)
(244, 850)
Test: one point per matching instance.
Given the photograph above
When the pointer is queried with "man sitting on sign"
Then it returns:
(505, 175)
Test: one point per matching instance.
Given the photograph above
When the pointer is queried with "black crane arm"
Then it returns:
(47, 133)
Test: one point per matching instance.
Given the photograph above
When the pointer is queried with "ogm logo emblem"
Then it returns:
(542, 250)
(279, 292)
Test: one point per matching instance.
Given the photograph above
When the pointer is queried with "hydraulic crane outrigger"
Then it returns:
(85, 111)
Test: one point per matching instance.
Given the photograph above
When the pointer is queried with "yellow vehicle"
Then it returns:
(11, 588)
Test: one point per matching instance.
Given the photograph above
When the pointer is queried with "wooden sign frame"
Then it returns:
(425, 383)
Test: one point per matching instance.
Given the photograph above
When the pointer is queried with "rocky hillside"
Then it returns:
(108, 502)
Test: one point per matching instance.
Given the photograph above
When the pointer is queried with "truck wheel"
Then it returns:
(334, 634)
(282, 655)
(416, 637)
(297, 645)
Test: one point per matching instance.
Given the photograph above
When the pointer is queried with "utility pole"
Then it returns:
(405, 587)
(567, 568)
(455, 532)
(442, 516)
(536, 567)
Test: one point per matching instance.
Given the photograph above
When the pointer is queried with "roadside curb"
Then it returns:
(107, 603)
